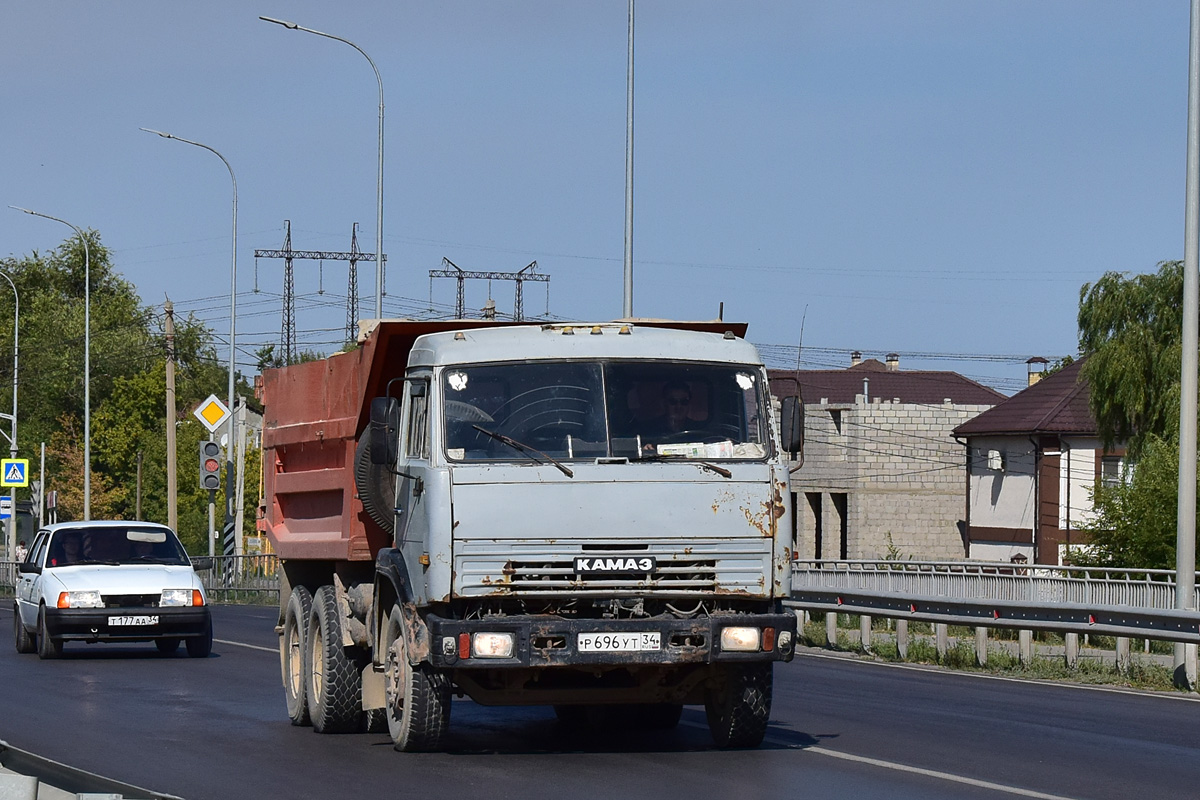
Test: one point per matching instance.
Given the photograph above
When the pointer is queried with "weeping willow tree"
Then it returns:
(1129, 329)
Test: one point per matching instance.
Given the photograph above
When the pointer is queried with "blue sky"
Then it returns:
(930, 178)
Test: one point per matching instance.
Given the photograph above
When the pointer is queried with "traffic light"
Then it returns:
(210, 466)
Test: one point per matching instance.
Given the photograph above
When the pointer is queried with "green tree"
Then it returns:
(1129, 329)
(1135, 520)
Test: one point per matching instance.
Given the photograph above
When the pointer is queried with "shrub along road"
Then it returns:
(216, 728)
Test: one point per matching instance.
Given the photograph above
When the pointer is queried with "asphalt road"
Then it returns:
(216, 728)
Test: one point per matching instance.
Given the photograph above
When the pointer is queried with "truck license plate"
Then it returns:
(618, 642)
(144, 619)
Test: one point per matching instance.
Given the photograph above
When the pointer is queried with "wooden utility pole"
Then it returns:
(172, 489)
(137, 514)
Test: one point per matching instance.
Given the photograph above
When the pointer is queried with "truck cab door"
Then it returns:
(413, 467)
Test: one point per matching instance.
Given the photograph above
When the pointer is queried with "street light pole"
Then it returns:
(379, 176)
(12, 439)
(229, 466)
(87, 363)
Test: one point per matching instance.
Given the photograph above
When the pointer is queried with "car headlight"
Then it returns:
(739, 639)
(88, 599)
(492, 645)
(172, 598)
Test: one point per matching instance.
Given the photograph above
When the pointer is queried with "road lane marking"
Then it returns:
(933, 669)
(251, 646)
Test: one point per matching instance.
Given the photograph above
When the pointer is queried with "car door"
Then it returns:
(28, 582)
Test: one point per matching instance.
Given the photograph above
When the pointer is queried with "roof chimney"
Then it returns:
(1037, 369)
(855, 358)
(893, 362)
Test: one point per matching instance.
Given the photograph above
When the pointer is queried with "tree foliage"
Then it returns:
(1129, 328)
(1135, 520)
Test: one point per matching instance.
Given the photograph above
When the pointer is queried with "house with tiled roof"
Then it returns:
(1032, 463)
(881, 474)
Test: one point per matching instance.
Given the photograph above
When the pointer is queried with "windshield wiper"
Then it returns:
(88, 561)
(526, 449)
(724, 473)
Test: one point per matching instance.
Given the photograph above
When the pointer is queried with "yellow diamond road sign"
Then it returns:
(14, 472)
(211, 413)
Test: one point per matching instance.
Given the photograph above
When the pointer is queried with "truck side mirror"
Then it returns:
(385, 430)
(791, 424)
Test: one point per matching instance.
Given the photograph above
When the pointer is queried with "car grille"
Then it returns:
(547, 569)
(131, 600)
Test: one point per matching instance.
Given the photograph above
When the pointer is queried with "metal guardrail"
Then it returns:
(1115, 602)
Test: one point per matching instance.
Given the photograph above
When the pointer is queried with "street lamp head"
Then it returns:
(26, 210)
(160, 133)
(291, 26)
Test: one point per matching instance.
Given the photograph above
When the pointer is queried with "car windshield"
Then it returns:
(586, 410)
(115, 545)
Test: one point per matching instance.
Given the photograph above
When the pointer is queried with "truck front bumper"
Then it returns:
(550, 641)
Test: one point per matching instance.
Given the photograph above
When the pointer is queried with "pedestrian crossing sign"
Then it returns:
(14, 472)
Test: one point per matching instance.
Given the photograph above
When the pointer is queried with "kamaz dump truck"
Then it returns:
(592, 517)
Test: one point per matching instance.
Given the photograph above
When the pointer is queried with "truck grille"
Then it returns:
(547, 569)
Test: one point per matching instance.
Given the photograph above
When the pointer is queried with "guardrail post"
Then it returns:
(1072, 647)
(981, 640)
(942, 631)
(830, 629)
(864, 631)
(902, 638)
(1025, 647)
(1123, 655)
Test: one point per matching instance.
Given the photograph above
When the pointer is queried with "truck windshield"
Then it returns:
(575, 410)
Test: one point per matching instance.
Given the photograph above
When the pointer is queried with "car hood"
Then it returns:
(126, 579)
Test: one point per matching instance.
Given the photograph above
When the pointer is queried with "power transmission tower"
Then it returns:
(353, 256)
(526, 273)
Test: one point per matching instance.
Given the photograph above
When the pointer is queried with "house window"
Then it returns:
(836, 416)
(1110, 470)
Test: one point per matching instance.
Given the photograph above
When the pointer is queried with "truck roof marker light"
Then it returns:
(625, 330)
(596, 330)
(568, 331)
(460, 337)
(729, 335)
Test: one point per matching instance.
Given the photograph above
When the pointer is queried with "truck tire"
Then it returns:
(291, 655)
(738, 705)
(22, 638)
(47, 647)
(418, 697)
(376, 486)
(335, 685)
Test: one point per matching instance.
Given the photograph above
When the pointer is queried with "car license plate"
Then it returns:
(618, 642)
(144, 619)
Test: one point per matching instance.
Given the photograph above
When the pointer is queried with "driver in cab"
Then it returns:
(675, 419)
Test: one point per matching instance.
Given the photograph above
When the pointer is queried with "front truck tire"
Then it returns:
(292, 646)
(335, 684)
(418, 697)
(738, 704)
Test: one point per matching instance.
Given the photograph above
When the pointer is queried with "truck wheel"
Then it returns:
(739, 704)
(335, 685)
(24, 642)
(376, 486)
(291, 654)
(46, 646)
(375, 720)
(418, 697)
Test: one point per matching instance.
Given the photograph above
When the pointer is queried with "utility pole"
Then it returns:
(172, 487)
(137, 514)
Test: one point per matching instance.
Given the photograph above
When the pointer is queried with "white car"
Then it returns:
(110, 581)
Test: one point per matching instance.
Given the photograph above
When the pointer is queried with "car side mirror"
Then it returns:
(385, 431)
(202, 563)
(791, 423)
(29, 567)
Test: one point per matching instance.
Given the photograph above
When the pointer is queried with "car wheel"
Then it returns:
(738, 706)
(335, 685)
(166, 646)
(291, 654)
(201, 646)
(22, 637)
(47, 647)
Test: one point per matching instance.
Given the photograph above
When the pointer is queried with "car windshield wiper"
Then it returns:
(530, 452)
(105, 562)
(157, 560)
(724, 473)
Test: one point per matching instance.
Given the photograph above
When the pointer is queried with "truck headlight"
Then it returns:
(172, 598)
(744, 640)
(88, 599)
(492, 645)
